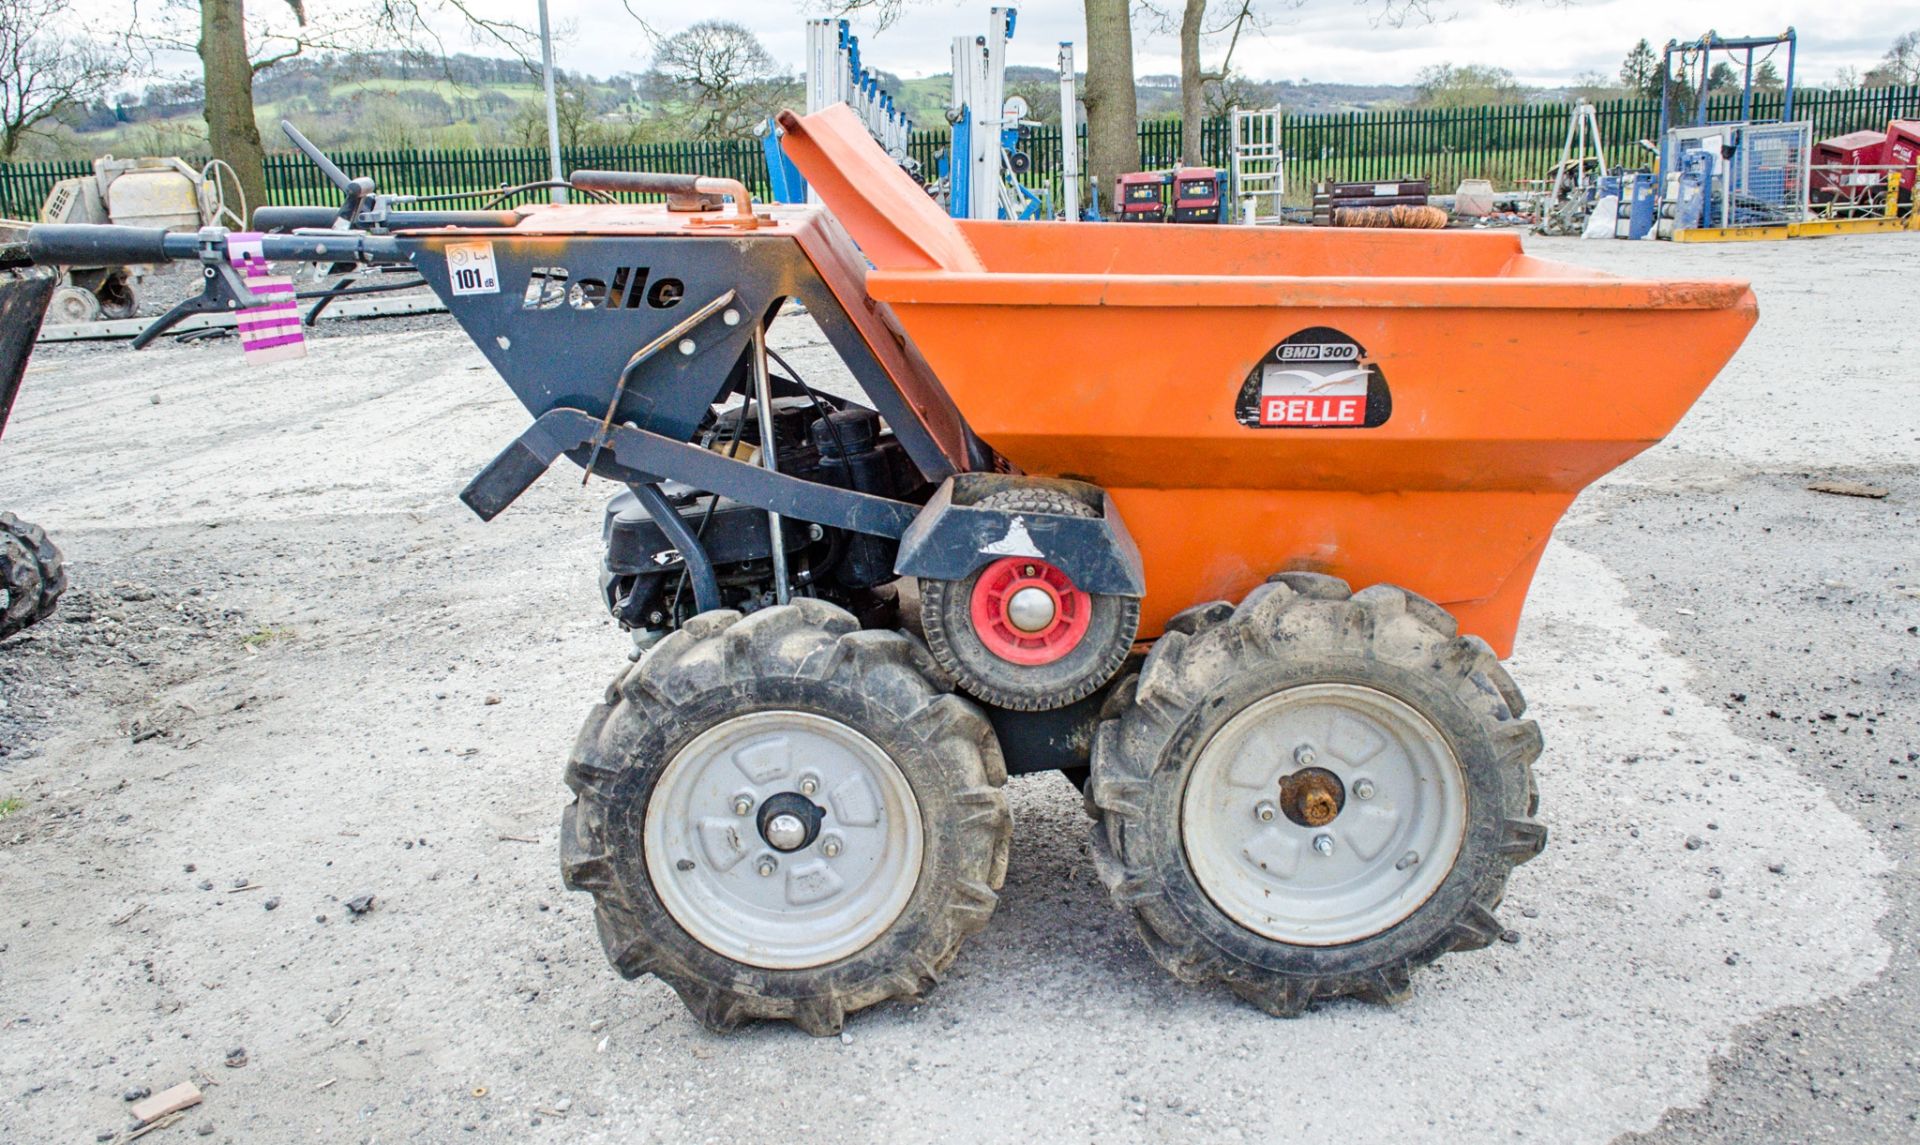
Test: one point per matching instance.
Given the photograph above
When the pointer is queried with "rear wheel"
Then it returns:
(32, 575)
(783, 816)
(1313, 793)
(1018, 633)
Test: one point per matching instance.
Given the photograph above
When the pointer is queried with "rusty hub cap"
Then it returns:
(1312, 797)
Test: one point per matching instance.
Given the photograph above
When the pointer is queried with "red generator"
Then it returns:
(1196, 195)
(1142, 197)
(1902, 152)
(1845, 168)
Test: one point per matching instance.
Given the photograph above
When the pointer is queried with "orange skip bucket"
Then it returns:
(1414, 408)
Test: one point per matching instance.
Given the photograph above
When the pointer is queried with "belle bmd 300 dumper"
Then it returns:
(1102, 511)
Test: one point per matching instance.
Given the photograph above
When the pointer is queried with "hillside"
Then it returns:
(396, 101)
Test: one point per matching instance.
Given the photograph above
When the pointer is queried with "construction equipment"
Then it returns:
(1845, 168)
(1069, 137)
(1131, 559)
(836, 74)
(1330, 199)
(128, 192)
(1743, 172)
(1572, 183)
(984, 161)
(1141, 197)
(1197, 195)
(1259, 168)
(1695, 78)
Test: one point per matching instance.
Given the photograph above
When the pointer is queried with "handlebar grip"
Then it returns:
(294, 218)
(636, 182)
(54, 244)
(428, 220)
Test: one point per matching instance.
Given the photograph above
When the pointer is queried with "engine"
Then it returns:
(816, 438)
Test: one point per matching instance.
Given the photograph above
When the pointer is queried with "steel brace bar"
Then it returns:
(635, 456)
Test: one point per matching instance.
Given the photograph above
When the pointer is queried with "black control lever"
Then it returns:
(223, 292)
(356, 191)
(327, 167)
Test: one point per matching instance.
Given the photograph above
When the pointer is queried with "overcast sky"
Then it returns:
(1543, 42)
(1540, 41)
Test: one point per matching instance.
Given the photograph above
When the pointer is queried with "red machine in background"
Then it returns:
(1196, 195)
(1185, 195)
(1855, 167)
(1141, 197)
(1842, 166)
(1902, 153)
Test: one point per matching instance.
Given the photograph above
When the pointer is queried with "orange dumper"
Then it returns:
(1230, 526)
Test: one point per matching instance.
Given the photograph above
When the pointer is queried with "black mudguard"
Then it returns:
(23, 303)
(951, 536)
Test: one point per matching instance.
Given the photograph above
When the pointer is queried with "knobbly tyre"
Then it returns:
(1079, 523)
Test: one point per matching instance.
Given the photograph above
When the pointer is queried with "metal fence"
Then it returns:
(1445, 145)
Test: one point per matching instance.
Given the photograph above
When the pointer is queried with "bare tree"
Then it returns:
(729, 82)
(1235, 17)
(44, 70)
(1113, 108)
(1900, 66)
(236, 45)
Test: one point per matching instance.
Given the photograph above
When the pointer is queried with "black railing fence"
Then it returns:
(1445, 145)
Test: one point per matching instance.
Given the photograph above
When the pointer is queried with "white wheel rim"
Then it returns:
(1383, 855)
(821, 903)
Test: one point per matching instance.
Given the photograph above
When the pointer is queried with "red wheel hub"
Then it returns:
(1020, 627)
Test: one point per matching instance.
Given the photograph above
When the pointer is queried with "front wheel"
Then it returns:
(1311, 794)
(783, 816)
(32, 575)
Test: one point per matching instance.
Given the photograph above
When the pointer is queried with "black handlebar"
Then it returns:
(84, 244)
(282, 219)
(272, 219)
(51, 244)
(319, 158)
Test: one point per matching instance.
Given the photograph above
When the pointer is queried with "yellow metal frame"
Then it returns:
(1887, 223)
(1813, 229)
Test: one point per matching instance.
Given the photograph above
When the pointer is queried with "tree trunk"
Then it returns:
(1193, 81)
(1113, 115)
(232, 133)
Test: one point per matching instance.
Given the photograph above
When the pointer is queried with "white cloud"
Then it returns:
(1541, 41)
(1544, 42)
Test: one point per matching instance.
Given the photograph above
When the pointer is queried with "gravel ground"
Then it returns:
(294, 671)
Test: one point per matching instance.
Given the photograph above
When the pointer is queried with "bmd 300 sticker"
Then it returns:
(1317, 379)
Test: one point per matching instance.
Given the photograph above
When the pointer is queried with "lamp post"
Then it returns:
(557, 194)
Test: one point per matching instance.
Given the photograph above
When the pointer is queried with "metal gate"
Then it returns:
(1762, 172)
(1259, 167)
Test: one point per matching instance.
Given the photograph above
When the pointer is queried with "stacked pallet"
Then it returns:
(1331, 198)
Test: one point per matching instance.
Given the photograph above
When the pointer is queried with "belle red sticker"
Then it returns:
(1317, 379)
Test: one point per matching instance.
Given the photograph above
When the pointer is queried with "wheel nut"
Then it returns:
(1363, 789)
(742, 804)
(1304, 755)
(809, 784)
(1323, 844)
(830, 847)
(767, 867)
(1264, 812)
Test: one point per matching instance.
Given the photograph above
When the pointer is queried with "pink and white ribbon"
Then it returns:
(269, 332)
